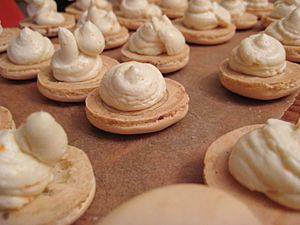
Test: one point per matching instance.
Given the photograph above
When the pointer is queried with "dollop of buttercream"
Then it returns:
(174, 4)
(78, 57)
(258, 55)
(157, 37)
(139, 9)
(236, 8)
(205, 15)
(286, 30)
(85, 4)
(283, 8)
(26, 158)
(29, 47)
(132, 86)
(44, 12)
(268, 160)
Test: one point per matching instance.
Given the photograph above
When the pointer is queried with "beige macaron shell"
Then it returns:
(65, 199)
(49, 30)
(266, 21)
(117, 39)
(172, 108)
(292, 53)
(245, 21)
(6, 120)
(258, 87)
(165, 63)
(180, 204)
(172, 13)
(74, 91)
(131, 23)
(6, 36)
(261, 12)
(217, 175)
(215, 36)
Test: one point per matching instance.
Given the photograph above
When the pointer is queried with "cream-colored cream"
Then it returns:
(78, 57)
(26, 157)
(283, 8)
(286, 30)
(44, 12)
(236, 8)
(29, 47)
(157, 37)
(174, 4)
(268, 160)
(139, 9)
(205, 15)
(107, 22)
(257, 4)
(85, 4)
(258, 55)
(132, 86)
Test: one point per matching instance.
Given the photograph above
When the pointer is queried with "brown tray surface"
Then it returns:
(126, 166)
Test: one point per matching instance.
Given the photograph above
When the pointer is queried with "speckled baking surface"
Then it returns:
(129, 165)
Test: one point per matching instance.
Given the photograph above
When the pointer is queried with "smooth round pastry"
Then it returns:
(116, 40)
(173, 8)
(245, 21)
(179, 204)
(49, 30)
(217, 175)
(70, 92)
(6, 35)
(259, 87)
(260, 11)
(6, 120)
(215, 36)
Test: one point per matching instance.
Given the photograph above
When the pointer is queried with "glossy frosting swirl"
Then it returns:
(174, 4)
(205, 15)
(236, 8)
(286, 30)
(29, 47)
(157, 37)
(85, 4)
(26, 158)
(268, 160)
(283, 8)
(139, 9)
(258, 55)
(44, 12)
(132, 86)
(78, 57)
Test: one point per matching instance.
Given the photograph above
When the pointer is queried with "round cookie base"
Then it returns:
(217, 175)
(65, 199)
(245, 21)
(216, 36)
(259, 87)
(171, 109)
(164, 62)
(292, 53)
(74, 91)
(6, 119)
(116, 40)
(49, 30)
(131, 23)
(13, 71)
(173, 13)
(6, 36)
(261, 12)
(266, 21)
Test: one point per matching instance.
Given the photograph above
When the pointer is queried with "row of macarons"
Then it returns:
(251, 177)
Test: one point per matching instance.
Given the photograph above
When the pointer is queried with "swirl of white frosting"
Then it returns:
(257, 4)
(106, 22)
(139, 9)
(236, 8)
(132, 86)
(174, 4)
(44, 12)
(205, 15)
(29, 47)
(85, 4)
(286, 30)
(78, 57)
(157, 37)
(25, 155)
(283, 8)
(268, 160)
(258, 55)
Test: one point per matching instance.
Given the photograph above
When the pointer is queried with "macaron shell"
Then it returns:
(6, 120)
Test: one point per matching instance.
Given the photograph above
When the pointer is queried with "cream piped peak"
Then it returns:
(44, 12)
(236, 8)
(85, 4)
(258, 55)
(256, 4)
(29, 47)
(174, 4)
(205, 15)
(78, 57)
(139, 9)
(286, 30)
(283, 8)
(157, 37)
(26, 159)
(106, 21)
(268, 160)
(132, 86)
